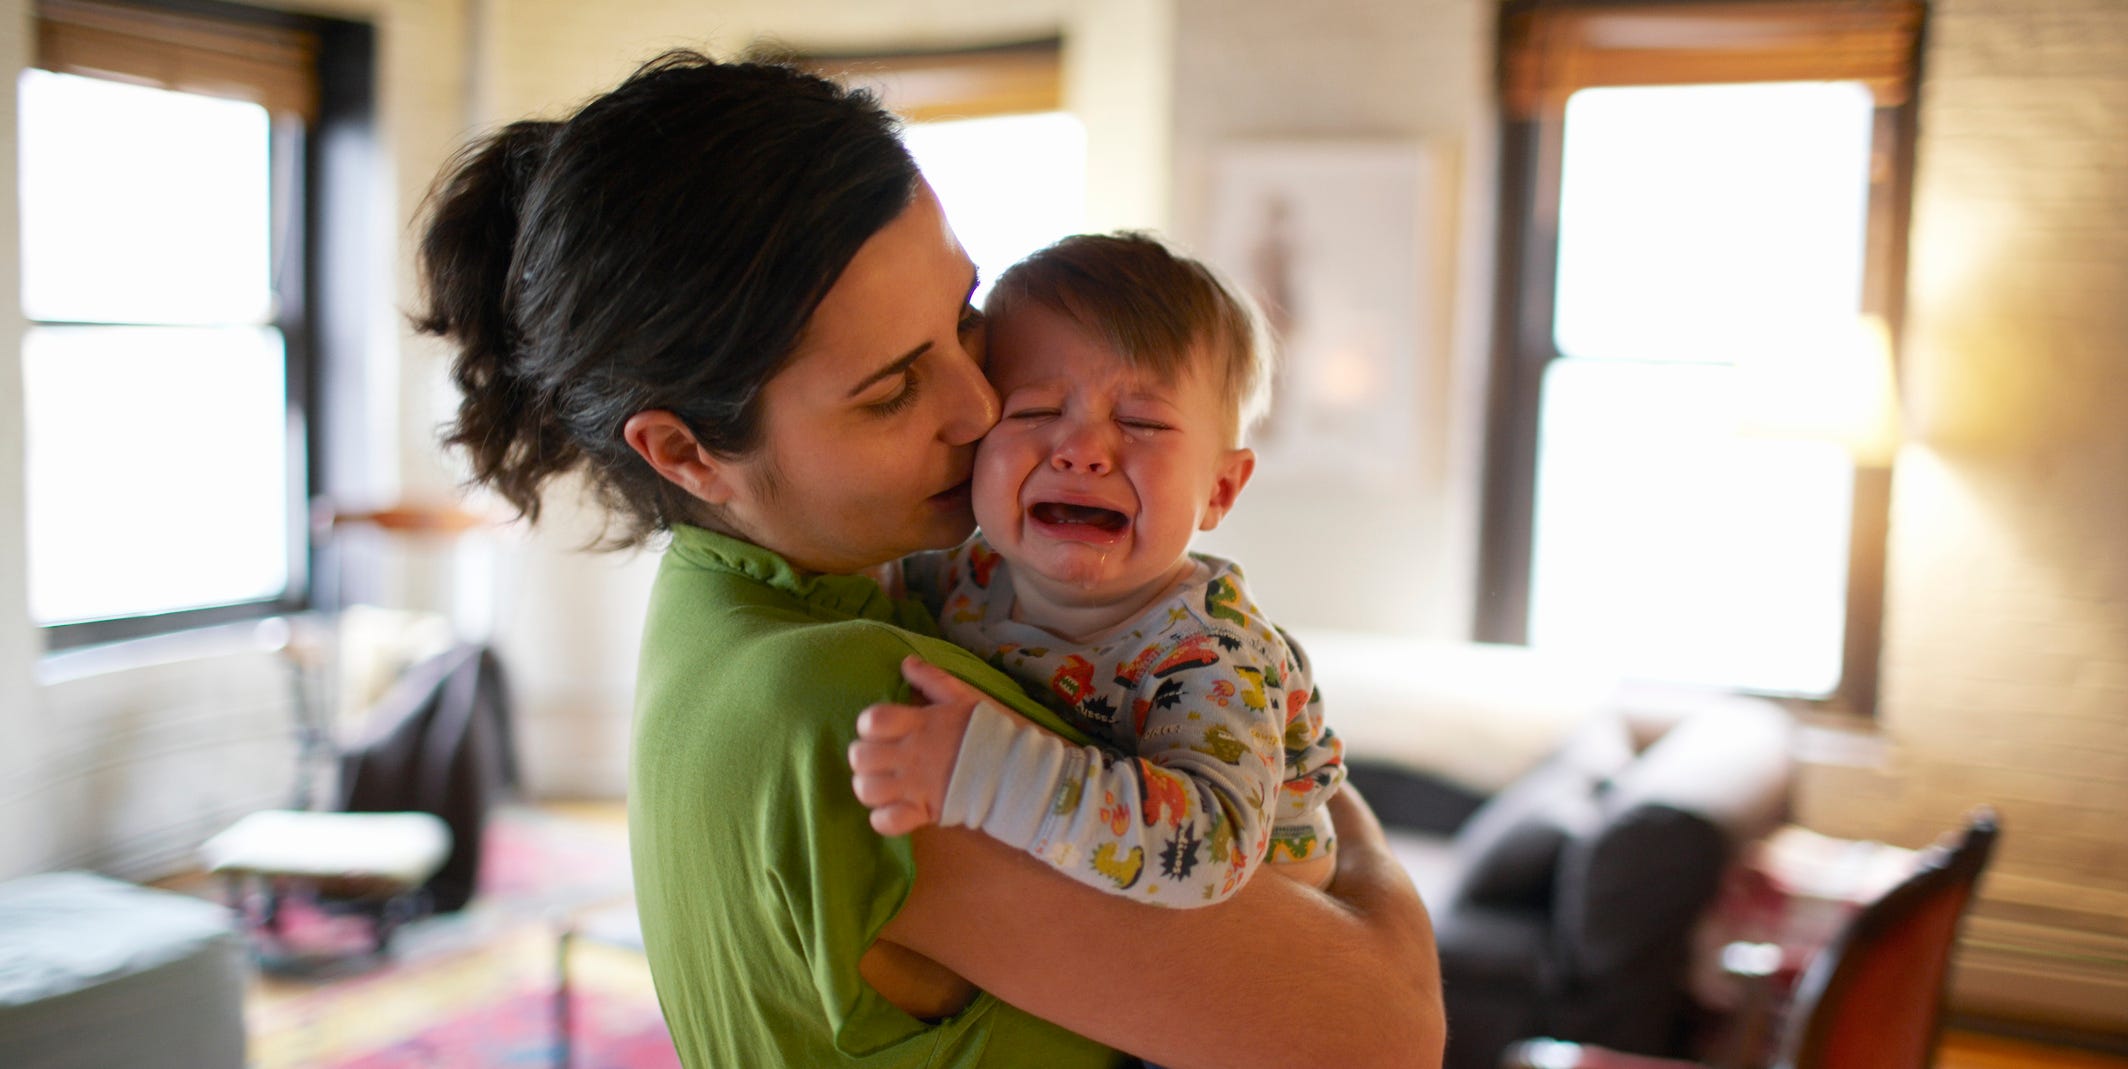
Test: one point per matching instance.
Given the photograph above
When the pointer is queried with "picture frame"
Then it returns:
(1339, 242)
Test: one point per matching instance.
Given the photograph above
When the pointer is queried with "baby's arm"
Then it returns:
(903, 762)
(1184, 828)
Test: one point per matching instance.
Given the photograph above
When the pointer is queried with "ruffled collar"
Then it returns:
(848, 595)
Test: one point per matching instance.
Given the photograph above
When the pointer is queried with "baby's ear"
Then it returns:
(1233, 472)
(668, 445)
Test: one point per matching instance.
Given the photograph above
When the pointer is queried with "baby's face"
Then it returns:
(1097, 474)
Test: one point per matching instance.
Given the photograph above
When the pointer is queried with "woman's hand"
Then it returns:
(903, 758)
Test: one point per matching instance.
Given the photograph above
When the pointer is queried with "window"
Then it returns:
(1703, 203)
(170, 278)
(986, 127)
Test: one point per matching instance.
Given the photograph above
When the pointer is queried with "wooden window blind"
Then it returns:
(930, 86)
(273, 66)
(1553, 49)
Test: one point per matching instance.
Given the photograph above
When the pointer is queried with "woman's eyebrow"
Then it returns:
(900, 365)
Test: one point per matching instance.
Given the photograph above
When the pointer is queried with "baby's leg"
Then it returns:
(1315, 872)
(1305, 850)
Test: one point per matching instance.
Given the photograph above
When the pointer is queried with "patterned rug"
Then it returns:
(475, 989)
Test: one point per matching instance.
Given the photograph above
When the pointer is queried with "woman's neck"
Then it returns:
(710, 520)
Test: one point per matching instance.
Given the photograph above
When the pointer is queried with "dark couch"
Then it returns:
(1564, 905)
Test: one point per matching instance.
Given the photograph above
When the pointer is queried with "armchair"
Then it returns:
(1873, 997)
(1565, 904)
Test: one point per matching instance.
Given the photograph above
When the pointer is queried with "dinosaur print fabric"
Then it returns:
(1213, 759)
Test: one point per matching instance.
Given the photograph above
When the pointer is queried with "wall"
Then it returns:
(23, 840)
(540, 57)
(2006, 654)
(2006, 647)
(2006, 634)
(125, 759)
(144, 758)
(1395, 70)
(125, 762)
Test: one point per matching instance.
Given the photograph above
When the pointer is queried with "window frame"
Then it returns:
(316, 77)
(931, 85)
(1551, 48)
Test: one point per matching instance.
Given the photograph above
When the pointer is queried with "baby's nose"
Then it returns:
(1083, 451)
(1067, 461)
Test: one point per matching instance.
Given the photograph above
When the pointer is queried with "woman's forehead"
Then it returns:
(893, 296)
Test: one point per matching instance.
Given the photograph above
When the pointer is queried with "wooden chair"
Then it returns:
(1873, 997)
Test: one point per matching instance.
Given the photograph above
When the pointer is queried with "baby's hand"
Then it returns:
(903, 757)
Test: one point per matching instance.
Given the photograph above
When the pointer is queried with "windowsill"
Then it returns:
(269, 634)
(1830, 733)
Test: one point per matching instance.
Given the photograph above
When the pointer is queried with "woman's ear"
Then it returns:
(1233, 474)
(664, 442)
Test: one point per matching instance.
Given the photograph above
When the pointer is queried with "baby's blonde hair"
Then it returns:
(1156, 308)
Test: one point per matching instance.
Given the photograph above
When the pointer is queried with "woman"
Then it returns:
(723, 295)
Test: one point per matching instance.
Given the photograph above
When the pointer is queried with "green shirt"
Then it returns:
(759, 880)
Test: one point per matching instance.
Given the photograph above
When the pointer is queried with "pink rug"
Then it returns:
(474, 989)
(519, 1030)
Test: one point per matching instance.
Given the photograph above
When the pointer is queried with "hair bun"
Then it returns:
(466, 260)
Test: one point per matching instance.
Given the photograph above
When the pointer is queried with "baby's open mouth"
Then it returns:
(1059, 514)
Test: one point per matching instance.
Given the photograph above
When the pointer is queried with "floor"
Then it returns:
(1972, 1050)
(446, 995)
(274, 1004)
(1961, 1049)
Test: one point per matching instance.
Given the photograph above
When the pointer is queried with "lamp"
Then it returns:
(1836, 387)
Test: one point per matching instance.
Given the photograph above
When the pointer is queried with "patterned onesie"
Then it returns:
(1213, 755)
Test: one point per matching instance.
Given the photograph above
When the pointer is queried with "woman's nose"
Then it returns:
(973, 409)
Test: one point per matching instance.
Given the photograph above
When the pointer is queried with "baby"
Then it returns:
(1128, 376)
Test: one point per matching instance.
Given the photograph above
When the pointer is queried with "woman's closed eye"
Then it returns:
(911, 381)
(971, 320)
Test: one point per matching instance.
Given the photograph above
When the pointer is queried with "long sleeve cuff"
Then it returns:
(1006, 775)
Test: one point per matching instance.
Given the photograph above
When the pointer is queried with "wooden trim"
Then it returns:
(1536, 64)
(273, 66)
(1552, 50)
(929, 86)
(1526, 271)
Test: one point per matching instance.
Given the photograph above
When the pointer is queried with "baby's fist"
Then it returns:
(903, 758)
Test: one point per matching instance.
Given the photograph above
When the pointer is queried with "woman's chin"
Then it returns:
(949, 528)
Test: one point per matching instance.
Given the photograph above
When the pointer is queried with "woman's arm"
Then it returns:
(1278, 975)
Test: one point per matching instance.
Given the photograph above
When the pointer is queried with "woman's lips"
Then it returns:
(956, 495)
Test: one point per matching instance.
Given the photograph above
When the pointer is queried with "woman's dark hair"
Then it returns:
(662, 248)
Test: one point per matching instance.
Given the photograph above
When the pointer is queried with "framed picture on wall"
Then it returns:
(1340, 242)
